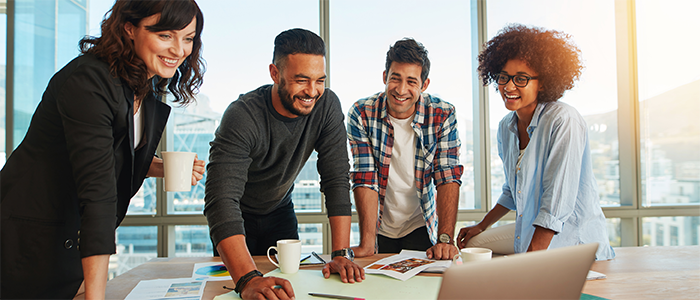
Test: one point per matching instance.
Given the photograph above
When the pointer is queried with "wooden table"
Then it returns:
(649, 273)
(635, 273)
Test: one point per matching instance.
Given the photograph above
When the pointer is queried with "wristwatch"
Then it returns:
(346, 252)
(445, 238)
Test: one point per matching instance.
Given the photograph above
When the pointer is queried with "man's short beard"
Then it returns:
(287, 100)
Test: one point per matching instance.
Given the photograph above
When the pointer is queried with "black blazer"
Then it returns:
(67, 186)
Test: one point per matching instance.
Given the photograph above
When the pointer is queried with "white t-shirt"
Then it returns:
(138, 127)
(520, 158)
(402, 213)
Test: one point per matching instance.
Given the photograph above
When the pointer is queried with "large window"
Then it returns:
(594, 96)
(361, 34)
(238, 43)
(46, 35)
(3, 67)
(668, 103)
(637, 94)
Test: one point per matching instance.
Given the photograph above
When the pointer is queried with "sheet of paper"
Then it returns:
(438, 267)
(373, 287)
(593, 275)
(404, 265)
(212, 271)
(168, 289)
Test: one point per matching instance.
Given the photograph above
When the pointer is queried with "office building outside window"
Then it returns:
(668, 103)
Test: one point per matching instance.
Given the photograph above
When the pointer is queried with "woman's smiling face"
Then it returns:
(163, 51)
(519, 99)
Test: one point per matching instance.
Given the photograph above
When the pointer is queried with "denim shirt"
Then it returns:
(554, 187)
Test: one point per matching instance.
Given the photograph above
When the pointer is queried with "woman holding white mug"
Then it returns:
(90, 144)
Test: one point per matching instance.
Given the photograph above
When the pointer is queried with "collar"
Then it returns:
(513, 121)
(418, 116)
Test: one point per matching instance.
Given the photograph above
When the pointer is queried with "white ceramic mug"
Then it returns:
(473, 254)
(288, 253)
(177, 170)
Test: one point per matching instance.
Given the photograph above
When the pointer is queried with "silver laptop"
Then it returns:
(552, 274)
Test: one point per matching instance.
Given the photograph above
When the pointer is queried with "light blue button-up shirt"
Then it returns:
(554, 187)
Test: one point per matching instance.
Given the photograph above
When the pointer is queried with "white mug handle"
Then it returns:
(268, 255)
(455, 258)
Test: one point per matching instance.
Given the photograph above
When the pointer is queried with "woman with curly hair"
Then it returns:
(90, 145)
(544, 147)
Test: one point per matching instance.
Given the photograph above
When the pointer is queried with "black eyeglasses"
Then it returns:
(519, 80)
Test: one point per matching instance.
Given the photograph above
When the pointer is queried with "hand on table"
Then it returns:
(197, 170)
(268, 288)
(466, 233)
(442, 251)
(349, 271)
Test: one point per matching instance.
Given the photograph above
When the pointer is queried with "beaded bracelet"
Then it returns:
(241, 283)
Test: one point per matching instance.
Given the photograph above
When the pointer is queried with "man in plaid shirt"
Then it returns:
(405, 146)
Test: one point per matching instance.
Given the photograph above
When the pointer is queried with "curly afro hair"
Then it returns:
(551, 54)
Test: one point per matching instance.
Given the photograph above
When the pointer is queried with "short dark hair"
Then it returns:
(408, 50)
(116, 49)
(552, 54)
(295, 41)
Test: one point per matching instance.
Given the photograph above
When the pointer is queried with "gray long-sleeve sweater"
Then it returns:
(257, 154)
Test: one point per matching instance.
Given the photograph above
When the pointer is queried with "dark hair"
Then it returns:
(551, 54)
(408, 50)
(117, 49)
(295, 41)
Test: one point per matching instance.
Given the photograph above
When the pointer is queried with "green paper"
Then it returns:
(373, 287)
(591, 297)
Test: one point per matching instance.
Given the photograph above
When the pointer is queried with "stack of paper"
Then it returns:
(164, 289)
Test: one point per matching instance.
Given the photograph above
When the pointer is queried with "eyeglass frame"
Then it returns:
(511, 77)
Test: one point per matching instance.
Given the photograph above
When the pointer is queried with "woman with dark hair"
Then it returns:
(90, 145)
(544, 147)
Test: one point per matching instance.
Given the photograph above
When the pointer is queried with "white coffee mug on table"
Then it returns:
(177, 170)
(288, 253)
(473, 254)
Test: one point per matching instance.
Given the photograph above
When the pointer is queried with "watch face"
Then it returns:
(445, 238)
(347, 253)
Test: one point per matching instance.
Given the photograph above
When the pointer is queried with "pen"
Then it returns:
(335, 296)
(305, 258)
(317, 256)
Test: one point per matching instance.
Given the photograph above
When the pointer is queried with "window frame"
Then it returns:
(631, 212)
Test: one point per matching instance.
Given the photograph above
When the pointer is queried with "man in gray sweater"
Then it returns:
(264, 140)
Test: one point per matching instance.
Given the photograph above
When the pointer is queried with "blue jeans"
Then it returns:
(416, 240)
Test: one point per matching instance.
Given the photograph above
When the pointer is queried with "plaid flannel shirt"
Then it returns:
(436, 157)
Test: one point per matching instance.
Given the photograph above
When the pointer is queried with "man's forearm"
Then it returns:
(234, 253)
(367, 205)
(447, 205)
(340, 232)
